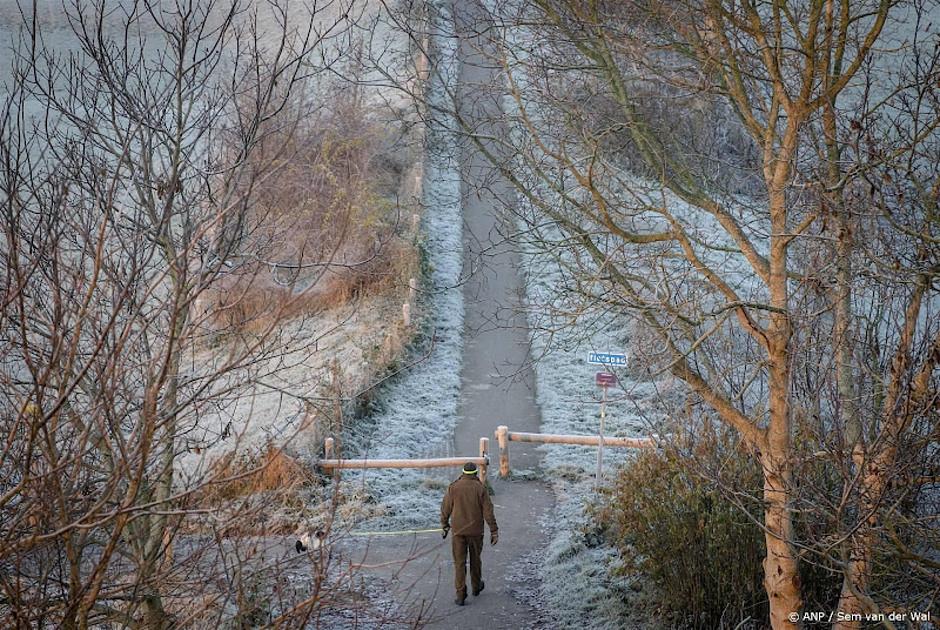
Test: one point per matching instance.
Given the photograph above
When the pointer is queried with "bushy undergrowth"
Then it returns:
(324, 225)
(676, 516)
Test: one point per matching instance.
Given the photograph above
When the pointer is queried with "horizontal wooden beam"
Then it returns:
(437, 462)
(586, 440)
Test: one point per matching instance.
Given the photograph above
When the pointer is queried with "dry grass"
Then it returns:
(251, 304)
(271, 471)
(325, 213)
(328, 199)
(270, 494)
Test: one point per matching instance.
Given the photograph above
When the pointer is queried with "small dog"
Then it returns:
(310, 542)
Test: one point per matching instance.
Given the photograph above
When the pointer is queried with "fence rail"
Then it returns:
(504, 436)
(585, 440)
(334, 463)
(434, 462)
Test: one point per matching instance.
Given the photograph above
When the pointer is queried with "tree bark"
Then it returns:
(781, 565)
(877, 466)
(781, 569)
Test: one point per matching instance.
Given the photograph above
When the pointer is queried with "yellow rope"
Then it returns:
(397, 533)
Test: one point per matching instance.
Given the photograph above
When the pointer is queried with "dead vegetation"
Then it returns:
(328, 221)
(178, 188)
(327, 218)
(272, 471)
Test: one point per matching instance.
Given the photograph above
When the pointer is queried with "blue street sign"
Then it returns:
(607, 358)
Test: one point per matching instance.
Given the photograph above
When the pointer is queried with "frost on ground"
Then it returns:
(271, 407)
(580, 583)
(582, 587)
(579, 587)
(417, 412)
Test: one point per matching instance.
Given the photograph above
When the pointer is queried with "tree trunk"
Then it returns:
(154, 614)
(781, 567)
(877, 466)
(155, 543)
(781, 570)
(857, 572)
(857, 569)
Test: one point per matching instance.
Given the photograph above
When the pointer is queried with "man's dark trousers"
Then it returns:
(462, 547)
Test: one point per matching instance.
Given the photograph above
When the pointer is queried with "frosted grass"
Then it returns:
(578, 584)
(579, 588)
(419, 409)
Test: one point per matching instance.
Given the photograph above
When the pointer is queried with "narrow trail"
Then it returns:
(494, 390)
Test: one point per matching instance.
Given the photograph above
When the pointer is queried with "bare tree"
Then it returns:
(132, 165)
(709, 170)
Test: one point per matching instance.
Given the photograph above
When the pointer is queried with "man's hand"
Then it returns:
(494, 538)
(446, 531)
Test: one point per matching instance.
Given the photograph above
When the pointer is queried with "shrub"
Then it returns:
(322, 226)
(671, 516)
(238, 475)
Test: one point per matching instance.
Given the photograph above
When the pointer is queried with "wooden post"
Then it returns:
(406, 314)
(329, 452)
(484, 448)
(412, 288)
(502, 439)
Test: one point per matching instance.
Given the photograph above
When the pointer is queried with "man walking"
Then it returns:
(465, 506)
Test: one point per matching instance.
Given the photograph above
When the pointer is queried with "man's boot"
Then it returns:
(477, 591)
(460, 599)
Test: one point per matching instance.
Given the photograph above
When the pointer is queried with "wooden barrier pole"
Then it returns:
(502, 440)
(585, 440)
(437, 462)
(484, 448)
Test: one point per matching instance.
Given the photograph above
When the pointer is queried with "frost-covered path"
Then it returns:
(494, 390)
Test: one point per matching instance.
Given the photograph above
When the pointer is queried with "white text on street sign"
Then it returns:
(607, 358)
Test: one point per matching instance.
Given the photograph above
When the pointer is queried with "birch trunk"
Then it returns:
(781, 566)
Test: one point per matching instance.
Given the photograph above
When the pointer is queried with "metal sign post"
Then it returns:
(600, 443)
(604, 380)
